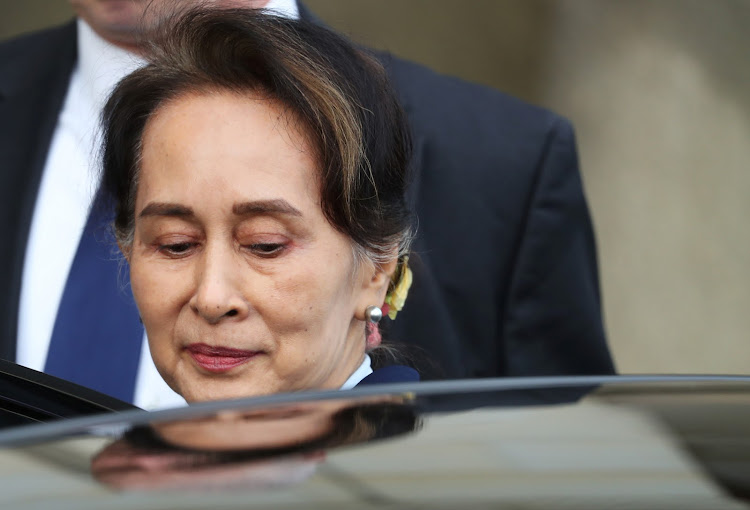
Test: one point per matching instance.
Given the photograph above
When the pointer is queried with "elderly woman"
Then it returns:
(258, 168)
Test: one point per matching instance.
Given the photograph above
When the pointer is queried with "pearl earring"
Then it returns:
(373, 314)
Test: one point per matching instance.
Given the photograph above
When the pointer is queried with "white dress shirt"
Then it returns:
(67, 187)
(363, 371)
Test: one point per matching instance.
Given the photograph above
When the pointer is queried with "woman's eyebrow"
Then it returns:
(256, 207)
(260, 207)
(165, 209)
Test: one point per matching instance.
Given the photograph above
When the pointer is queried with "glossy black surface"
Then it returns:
(609, 442)
(28, 397)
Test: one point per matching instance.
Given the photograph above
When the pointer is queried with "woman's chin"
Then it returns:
(203, 390)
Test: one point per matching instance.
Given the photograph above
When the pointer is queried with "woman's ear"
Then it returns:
(375, 278)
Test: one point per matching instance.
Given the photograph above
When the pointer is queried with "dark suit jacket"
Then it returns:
(505, 271)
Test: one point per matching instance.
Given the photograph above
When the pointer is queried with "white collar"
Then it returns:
(101, 64)
(286, 8)
(363, 371)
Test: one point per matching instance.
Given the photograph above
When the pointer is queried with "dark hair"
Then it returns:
(338, 92)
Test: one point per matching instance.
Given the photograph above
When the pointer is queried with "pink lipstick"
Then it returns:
(218, 359)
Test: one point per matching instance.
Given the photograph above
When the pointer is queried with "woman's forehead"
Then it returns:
(243, 145)
(213, 113)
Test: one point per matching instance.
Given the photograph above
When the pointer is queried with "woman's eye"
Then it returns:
(267, 249)
(176, 249)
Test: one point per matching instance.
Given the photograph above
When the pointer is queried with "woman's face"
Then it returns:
(243, 286)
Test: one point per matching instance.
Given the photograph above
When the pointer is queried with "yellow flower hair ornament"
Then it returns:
(398, 289)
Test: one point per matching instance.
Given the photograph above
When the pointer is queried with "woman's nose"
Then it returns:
(218, 294)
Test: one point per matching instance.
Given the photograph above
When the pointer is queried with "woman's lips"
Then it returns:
(218, 359)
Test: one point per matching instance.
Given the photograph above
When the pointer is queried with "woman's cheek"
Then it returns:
(154, 289)
(298, 293)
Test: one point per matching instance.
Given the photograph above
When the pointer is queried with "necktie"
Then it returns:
(97, 336)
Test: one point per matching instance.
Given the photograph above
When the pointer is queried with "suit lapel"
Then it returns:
(306, 14)
(34, 72)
